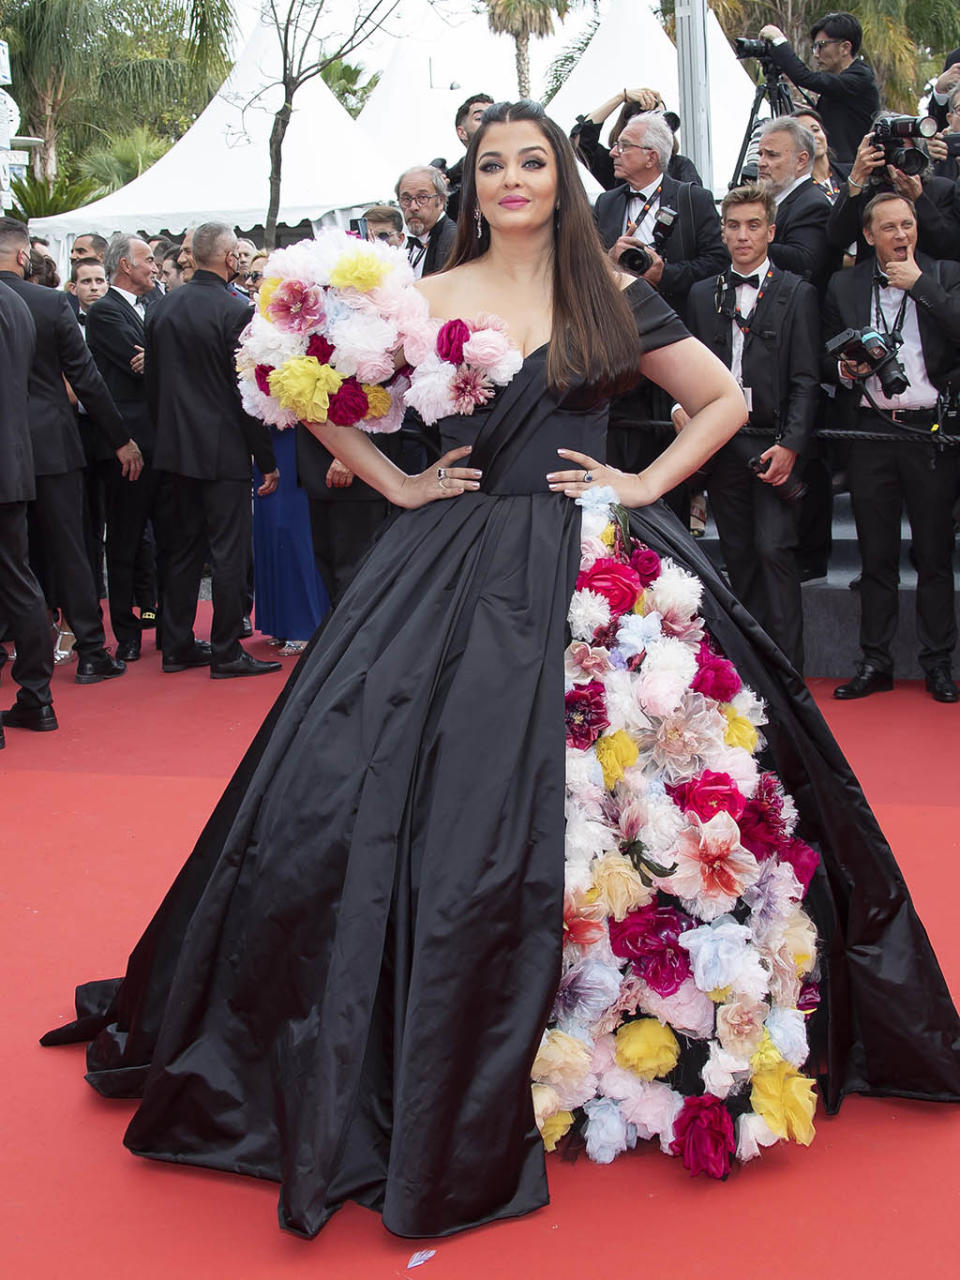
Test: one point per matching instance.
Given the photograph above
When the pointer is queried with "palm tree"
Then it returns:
(120, 158)
(522, 19)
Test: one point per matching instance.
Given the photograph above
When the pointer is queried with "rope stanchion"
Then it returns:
(907, 434)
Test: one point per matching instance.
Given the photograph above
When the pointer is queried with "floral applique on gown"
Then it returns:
(347, 986)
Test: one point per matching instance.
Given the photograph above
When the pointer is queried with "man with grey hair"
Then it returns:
(627, 215)
(115, 336)
(786, 152)
(204, 443)
(422, 196)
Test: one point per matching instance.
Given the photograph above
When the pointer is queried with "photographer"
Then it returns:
(944, 149)
(938, 231)
(912, 304)
(849, 98)
(585, 136)
(948, 80)
(764, 324)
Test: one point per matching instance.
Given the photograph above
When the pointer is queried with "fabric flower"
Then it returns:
(723, 1073)
(588, 613)
(304, 386)
(262, 377)
(650, 938)
(378, 401)
(349, 405)
(712, 868)
(720, 952)
(554, 1128)
(787, 1028)
(688, 1010)
(647, 1048)
(709, 794)
(717, 678)
(469, 388)
(320, 348)
(296, 307)
(679, 744)
(615, 752)
(786, 1101)
(485, 347)
(620, 888)
(740, 1025)
(268, 288)
(801, 858)
(450, 339)
(585, 712)
(613, 580)
(583, 660)
(646, 565)
(561, 1060)
(585, 991)
(772, 900)
(667, 671)
(636, 633)
(753, 1133)
(739, 732)
(361, 270)
(704, 1137)
(607, 1133)
(429, 392)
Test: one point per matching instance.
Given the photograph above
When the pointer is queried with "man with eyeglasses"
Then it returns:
(848, 94)
(385, 222)
(422, 195)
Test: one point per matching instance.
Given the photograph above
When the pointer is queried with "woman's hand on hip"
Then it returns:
(442, 480)
(631, 490)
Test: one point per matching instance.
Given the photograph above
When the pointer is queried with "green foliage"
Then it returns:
(120, 158)
(343, 79)
(36, 198)
(566, 60)
(522, 19)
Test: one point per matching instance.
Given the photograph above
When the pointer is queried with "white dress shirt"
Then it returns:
(746, 301)
(138, 304)
(921, 393)
(635, 203)
(797, 182)
(419, 256)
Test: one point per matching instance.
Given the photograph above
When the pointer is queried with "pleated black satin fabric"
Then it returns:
(346, 986)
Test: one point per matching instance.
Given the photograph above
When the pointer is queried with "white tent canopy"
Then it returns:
(219, 169)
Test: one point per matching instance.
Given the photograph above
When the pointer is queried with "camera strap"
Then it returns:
(742, 324)
(896, 333)
(636, 222)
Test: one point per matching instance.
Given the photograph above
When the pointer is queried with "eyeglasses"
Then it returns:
(423, 198)
(255, 276)
(822, 44)
(620, 147)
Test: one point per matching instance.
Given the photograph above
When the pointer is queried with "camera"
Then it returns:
(869, 346)
(792, 490)
(636, 258)
(889, 130)
(744, 48)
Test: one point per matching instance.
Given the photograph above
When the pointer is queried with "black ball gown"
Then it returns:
(345, 988)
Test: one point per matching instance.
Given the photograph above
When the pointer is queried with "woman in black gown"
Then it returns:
(346, 986)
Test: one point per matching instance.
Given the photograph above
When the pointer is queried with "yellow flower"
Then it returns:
(619, 886)
(362, 271)
(719, 995)
(561, 1060)
(552, 1130)
(786, 1101)
(616, 752)
(378, 399)
(800, 938)
(641, 605)
(304, 385)
(740, 732)
(767, 1056)
(647, 1048)
(607, 536)
(267, 289)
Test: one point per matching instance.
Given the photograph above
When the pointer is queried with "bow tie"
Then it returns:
(737, 281)
(635, 195)
(82, 320)
(413, 242)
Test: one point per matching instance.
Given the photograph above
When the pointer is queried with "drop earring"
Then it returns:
(478, 218)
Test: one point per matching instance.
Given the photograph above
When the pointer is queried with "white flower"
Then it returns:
(723, 1074)
(636, 633)
(263, 343)
(607, 1133)
(363, 344)
(753, 1133)
(588, 611)
(788, 814)
(738, 763)
(660, 831)
(772, 901)
(654, 1110)
(585, 837)
(593, 521)
(747, 704)
(719, 951)
(506, 368)
(676, 592)
(598, 498)
(584, 775)
(429, 392)
(667, 671)
(265, 407)
(623, 709)
(788, 1031)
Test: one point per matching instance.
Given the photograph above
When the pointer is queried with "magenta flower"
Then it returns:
(262, 375)
(708, 794)
(645, 564)
(802, 858)
(586, 714)
(297, 307)
(450, 339)
(703, 1135)
(717, 678)
(320, 348)
(649, 937)
(469, 388)
(761, 823)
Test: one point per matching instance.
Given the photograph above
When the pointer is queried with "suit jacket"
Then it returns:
(313, 462)
(934, 108)
(585, 136)
(938, 218)
(849, 304)
(781, 353)
(694, 250)
(62, 353)
(202, 431)
(439, 245)
(18, 338)
(800, 244)
(848, 102)
(114, 329)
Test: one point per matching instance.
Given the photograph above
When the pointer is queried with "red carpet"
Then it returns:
(97, 819)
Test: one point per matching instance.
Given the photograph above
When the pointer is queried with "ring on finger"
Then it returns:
(441, 474)
(587, 477)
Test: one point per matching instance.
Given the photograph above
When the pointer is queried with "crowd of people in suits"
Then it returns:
(127, 462)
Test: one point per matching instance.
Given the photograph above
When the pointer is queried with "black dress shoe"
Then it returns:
(128, 651)
(245, 665)
(941, 686)
(99, 666)
(198, 656)
(246, 627)
(39, 719)
(868, 680)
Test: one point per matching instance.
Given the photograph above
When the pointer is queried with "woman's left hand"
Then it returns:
(631, 490)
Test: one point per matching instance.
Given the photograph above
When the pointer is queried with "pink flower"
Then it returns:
(648, 937)
(262, 375)
(419, 339)
(486, 347)
(717, 678)
(713, 868)
(761, 824)
(703, 1135)
(646, 564)
(320, 348)
(617, 582)
(469, 388)
(582, 659)
(586, 714)
(802, 858)
(679, 743)
(450, 340)
(740, 1025)
(809, 997)
(709, 794)
(349, 405)
(296, 307)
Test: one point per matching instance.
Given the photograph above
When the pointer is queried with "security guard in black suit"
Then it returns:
(914, 303)
(763, 323)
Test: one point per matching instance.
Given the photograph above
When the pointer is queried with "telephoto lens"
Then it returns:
(636, 260)
(744, 48)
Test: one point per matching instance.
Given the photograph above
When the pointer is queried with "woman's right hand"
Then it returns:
(443, 480)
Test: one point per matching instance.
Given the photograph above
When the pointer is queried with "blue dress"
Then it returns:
(291, 599)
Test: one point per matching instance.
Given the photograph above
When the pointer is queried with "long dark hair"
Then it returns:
(594, 339)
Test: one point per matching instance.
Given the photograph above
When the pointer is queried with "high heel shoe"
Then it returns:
(63, 650)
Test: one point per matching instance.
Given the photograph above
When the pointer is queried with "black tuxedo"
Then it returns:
(758, 530)
(56, 517)
(800, 244)
(848, 102)
(204, 442)
(938, 226)
(694, 250)
(114, 330)
(442, 235)
(886, 475)
(938, 111)
(23, 613)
